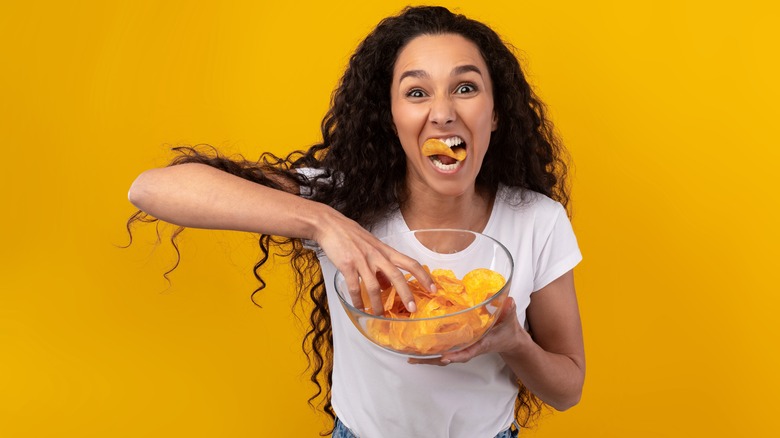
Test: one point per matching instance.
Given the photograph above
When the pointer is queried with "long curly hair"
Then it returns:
(523, 152)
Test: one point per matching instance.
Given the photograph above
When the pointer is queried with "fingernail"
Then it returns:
(410, 306)
(433, 288)
(446, 361)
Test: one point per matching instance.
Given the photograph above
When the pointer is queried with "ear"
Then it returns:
(494, 125)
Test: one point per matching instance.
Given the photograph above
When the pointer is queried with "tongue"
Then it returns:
(445, 159)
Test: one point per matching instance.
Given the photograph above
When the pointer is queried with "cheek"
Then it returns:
(408, 123)
(404, 131)
(398, 118)
(483, 122)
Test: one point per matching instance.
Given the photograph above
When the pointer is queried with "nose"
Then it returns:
(442, 111)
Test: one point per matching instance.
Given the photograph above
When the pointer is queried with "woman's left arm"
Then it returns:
(550, 361)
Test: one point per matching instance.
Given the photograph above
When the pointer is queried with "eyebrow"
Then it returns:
(459, 70)
(413, 74)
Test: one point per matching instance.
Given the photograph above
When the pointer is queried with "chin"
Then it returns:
(452, 189)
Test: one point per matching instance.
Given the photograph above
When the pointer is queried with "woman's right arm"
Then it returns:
(200, 196)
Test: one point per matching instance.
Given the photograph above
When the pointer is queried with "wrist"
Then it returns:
(316, 218)
(521, 346)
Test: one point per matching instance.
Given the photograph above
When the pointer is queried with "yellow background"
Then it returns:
(668, 108)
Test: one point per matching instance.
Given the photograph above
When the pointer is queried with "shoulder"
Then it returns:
(520, 202)
(521, 215)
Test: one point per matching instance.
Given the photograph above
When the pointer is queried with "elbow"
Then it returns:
(570, 397)
(568, 402)
(140, 191)
(571, 393)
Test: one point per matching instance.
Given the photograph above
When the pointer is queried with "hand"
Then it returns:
(361, 257)
(505, 336)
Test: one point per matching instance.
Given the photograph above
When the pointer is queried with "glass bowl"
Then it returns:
(455, 317)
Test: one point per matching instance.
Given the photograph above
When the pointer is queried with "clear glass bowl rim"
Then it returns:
(507, 283)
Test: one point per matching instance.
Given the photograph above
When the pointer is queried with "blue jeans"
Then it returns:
(341, 431)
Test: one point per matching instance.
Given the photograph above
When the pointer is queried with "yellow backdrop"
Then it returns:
(668, 109)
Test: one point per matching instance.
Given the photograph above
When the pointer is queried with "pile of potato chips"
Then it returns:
(437, 335)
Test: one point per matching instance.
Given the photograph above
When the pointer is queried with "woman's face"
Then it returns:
(442, 89)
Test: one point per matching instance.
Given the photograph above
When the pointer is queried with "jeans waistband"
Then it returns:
(342, 431)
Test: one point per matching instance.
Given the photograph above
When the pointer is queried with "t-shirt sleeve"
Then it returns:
(559, 252)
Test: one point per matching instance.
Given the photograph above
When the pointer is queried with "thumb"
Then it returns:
(508, 310)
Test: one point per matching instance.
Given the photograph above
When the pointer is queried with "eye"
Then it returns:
(465, 89)
(415, 93)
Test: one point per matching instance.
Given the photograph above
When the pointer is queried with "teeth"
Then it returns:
(453, 141)
(445, 167)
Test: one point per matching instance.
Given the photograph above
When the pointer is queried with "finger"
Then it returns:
(398, 280)
(384, 282)
(423, 277)
(415, 268)
(435, 361)
(508, 310)
(493, 339)
(373, 292)
(353, 288)
(466, 354)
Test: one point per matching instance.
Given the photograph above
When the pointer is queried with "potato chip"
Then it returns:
(390, 299)
(432, 342)
(428, 335)
(434, 146)
(443, 273)
(482, 283)
(446, 280)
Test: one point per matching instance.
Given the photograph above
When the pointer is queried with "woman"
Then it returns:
(424, 74)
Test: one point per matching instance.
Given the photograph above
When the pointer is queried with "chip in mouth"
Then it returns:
(434, 146)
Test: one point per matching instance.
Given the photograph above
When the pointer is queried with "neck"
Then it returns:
(427, 209)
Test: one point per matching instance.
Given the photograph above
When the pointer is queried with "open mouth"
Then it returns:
(445, 154)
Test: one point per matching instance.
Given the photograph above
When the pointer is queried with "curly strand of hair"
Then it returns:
(142, 217)
(264, 251)
(255, 171)
(175, 245)
(318, 342)
(138, 216)
(528, 407)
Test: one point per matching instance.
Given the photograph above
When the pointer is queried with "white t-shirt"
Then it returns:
(378, 394)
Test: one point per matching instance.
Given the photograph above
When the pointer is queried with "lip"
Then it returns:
(448, 169)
